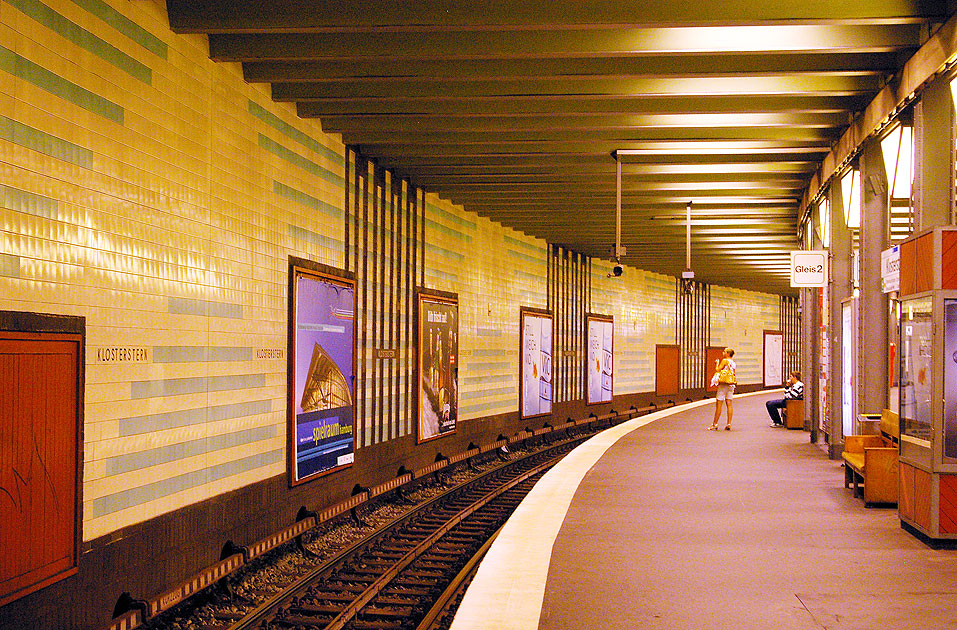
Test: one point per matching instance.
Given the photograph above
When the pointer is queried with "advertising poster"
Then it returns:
(438, 329)
(322, 379)
(773, 358)
(847, 368)
(601, 354)
(950, 378)
(536, 367)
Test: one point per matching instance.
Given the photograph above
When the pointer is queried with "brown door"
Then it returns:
(667, 366)
(713, 356)
(39, 433)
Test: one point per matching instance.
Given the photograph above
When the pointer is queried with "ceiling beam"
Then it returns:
(218, 16)
(630, 42)
(375, 70)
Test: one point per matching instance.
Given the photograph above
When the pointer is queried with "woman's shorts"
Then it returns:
(725, 391)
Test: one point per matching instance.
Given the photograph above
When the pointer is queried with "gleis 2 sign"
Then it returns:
(809, 269)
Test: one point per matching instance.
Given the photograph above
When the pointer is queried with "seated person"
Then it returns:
(793, 390)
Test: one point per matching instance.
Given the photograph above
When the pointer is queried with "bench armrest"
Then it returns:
(857, 443)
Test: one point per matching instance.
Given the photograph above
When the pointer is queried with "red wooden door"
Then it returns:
(712, 357)
(667, 367)
(39, 435)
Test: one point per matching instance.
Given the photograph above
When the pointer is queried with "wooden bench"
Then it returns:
(871, 460)
(794, 414)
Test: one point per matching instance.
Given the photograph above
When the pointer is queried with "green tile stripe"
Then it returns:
(447, 253)
(488, 332)
(488, 367)
(83, 38)
(535, 260)
(295, 159)
(485, 352)
(23, 68)
(315, 238)
(42, 142)
(433, 274)
(173, 452)
(125, 26)
(291, 132)
(535, 277)
(305, 199)
(449, 217)
(487, 393)
(531, 247)
(186, 417)
(9, 266)
(200, 354)
(205, 308)
(439, 227)
(23, 201)
(486, 380)
(195, 385)
(485, 406)
(131, 497)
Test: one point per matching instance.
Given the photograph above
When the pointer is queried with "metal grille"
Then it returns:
(693, 332)
(569, 298)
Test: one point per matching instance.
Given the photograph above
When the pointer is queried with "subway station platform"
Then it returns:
(659, 523)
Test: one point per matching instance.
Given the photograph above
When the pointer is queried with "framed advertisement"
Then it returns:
(773, 358)
(437, 365)
(321, 370)
(599, 368)
(535, 367)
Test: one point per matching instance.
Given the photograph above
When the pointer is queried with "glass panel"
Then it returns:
(950, 379)
(916, 375)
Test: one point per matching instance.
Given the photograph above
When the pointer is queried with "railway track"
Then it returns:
(393, 578)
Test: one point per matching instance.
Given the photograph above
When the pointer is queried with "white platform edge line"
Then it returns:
(509, 587)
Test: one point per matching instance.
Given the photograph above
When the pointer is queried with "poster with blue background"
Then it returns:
(324, 380)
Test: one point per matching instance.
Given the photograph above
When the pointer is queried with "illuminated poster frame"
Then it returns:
(321, 368)
(535, 382)
(600, 359)
(437, 360)
(773, 358)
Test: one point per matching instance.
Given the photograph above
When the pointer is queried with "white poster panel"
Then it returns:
(536, 376)
(773, 359)
(601, 339)
(847, 367)
(950, 379)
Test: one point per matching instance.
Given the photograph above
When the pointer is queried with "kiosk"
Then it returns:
(928, 384)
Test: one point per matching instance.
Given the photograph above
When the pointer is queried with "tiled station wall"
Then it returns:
(738, 320)
(160, 196)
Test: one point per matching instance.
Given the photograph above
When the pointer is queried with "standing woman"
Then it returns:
(726, 378)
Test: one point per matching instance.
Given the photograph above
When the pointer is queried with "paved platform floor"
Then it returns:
(669, 525)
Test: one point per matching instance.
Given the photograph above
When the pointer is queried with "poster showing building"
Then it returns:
(322, 381)
(438, 349)
(535, 380)
(601, 355)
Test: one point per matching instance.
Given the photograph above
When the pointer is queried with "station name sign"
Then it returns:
(809, 269)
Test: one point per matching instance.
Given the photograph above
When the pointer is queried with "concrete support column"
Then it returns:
(932, 167)
(872, 304)
(839, 288)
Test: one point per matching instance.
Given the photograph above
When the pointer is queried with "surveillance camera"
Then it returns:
(618, 270)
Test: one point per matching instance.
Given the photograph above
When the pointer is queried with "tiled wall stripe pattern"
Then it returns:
(642, 305)
(738, 320)
(158, 195)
